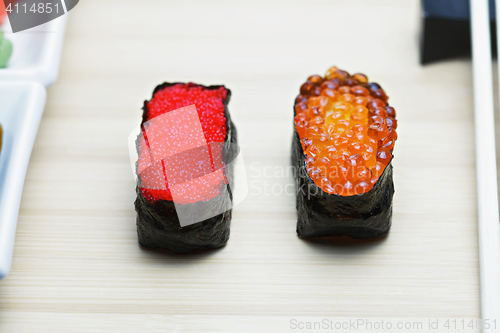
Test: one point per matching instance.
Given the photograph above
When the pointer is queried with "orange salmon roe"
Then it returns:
(347, 131)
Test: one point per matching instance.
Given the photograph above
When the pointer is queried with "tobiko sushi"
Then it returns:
(158, 222)
(342, 151)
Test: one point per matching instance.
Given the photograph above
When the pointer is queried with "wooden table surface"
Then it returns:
(77, 266)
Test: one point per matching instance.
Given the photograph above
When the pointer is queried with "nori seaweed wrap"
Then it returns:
(158, 223)
(342, 151)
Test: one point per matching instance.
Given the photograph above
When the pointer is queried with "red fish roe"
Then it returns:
(347, 130)
(3, 12)
(210, 106)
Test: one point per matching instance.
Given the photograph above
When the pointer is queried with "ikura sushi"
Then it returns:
(158, 222)
(342, 150)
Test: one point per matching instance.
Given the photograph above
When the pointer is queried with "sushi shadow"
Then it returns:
(162, 254)
(342, 243)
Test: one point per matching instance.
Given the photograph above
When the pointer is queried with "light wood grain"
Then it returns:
(77, 265)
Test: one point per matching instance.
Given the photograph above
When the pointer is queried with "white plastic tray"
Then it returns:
(36, 52)
(21, 109)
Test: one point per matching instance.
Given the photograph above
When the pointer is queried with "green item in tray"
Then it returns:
(5, 50)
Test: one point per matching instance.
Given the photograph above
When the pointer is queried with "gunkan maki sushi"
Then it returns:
(342, 151)
(158, 222)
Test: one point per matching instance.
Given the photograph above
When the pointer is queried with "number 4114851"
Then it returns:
(36, 8)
